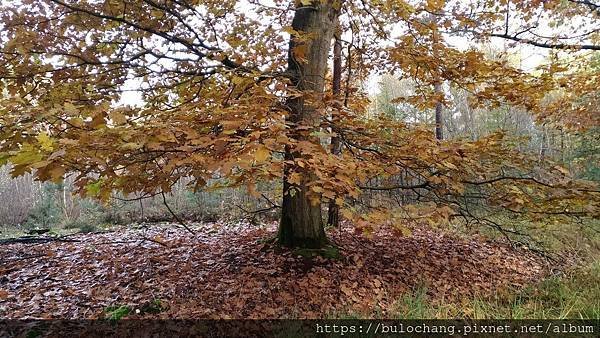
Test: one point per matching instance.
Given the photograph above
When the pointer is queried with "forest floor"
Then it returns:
(163, 271)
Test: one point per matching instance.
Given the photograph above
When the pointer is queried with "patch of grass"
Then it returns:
(272, 240)
(11, 232)
(413, 305)
(14, 232)
(154, 306)
(575, 295)
(117, 312)
(88, 228)
(34, 333)
(82, 226)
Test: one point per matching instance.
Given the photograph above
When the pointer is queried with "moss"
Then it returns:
(329, 251)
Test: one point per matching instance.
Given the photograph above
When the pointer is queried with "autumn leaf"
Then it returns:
(261, 154)
(45, 141)
(118, 118)
(295, 178)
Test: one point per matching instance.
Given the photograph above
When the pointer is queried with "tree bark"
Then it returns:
(437, 86)
(301, 222)
(439, 118)
(333, 212)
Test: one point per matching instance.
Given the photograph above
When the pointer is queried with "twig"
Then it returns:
(270, 202)
(174, 215)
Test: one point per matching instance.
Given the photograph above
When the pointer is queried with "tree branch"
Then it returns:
(563, 46)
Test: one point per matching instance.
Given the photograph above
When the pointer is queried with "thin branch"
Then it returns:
(164, 198)
(545, 45)
(397, 187)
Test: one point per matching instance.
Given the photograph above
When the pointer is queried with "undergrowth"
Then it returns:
(572, 295)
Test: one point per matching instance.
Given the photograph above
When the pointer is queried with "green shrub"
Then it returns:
(46, 213)
(91, 216)
(83, 226)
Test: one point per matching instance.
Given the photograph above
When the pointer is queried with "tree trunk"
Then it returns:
(437, 86)
(439, 121)
(301, 224)
(333, 212)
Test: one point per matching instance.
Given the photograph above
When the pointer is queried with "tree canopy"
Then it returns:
(238, 92)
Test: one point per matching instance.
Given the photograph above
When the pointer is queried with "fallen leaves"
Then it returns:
(231, 273)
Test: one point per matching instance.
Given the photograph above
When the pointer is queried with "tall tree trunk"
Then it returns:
(333, 212)
(439, 121)
(437, 86)
(301, 224)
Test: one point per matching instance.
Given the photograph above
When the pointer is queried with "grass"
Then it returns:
(575, 295)
(572, 296)
(9, 232)
(117, 312)
(579, 239)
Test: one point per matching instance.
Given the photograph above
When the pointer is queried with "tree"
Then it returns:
(233, 93)
(333, 212)
(301, 221)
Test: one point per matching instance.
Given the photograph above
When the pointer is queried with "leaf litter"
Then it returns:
(226, 271)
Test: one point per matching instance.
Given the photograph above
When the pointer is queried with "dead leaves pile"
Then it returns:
(225, 272)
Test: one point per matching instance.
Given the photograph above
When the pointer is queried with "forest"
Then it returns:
(299, 160)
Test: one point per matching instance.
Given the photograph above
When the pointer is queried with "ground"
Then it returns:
(225, 271)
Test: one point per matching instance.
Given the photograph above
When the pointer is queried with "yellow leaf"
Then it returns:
(295, 178)
(299, 52)
(159, 239)
(316, 189)
(26, 156)
(252, 190)
(70, 108)
(76, 122)
(450, 165)
(132, 146)
(118, 118)
(262, 154)
(45, 141)
(563, 170)
(289, 30)
(347, 213)
(329, 194)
